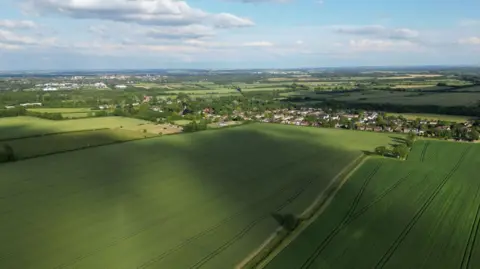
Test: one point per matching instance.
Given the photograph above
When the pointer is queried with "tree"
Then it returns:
(9, 153)
(382, 150)
(287, 221)
(474, 135)
(400, 151)
(412, 136)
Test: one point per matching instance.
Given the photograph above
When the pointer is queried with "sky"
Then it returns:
(231, 34)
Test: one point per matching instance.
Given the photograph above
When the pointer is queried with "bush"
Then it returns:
(288, 221)
(8, 154)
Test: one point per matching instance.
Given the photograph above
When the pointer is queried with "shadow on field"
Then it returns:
(389, 227)
(133, 204)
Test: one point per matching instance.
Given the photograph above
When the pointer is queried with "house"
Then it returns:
(100, 85)
(147, 99)
(48, 89)
(120, 86)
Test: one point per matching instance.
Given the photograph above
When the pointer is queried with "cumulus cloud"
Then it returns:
(470, 41)
(14, 24)
(377, 31)
(150, 12)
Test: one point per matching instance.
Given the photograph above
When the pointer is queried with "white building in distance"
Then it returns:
(120, 86)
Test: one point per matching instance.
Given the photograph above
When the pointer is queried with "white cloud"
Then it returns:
(10, 38)
(261, 1)
(150, 12)
(470, 41)
(469, 22)
(299, 42)
(180, 32)
(382, 45)
(258, 44)
(377, 31)
(13, 24)
(8, 47)
(320, 2)
(227, 20)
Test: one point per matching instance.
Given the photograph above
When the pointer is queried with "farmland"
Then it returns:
(70, 113)
(182, 201)
(28, 126)
(419, 213)
(414, 116)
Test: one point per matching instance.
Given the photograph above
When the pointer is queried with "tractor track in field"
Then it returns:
(386, 257)
(249, 227)
(472, 237)
(291, 199)
(318, 250)
(424, 151)
(161, 220)
(377, 199)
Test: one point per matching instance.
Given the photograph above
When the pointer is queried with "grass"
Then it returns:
(187, 201)
(408, 98)
(182, 122)
(449, 118)
(420, 213)
(61, 110)
(27, 126)
(38, 146)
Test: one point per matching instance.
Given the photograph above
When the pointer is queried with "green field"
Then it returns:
(420, 213)
(36, 146)
(186, 201)
(27, 126)
(72, 113)
(414, 116)
(61, 110)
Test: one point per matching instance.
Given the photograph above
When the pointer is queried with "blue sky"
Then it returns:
(99, 34)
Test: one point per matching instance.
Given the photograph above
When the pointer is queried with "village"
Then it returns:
(357, 120)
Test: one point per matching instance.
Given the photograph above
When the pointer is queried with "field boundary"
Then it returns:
(81, 148)
(278, 240)
(49, 134)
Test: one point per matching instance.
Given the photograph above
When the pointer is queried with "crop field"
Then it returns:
(414, 116)
(27, 126)
(409, 98)
(37, 146)
(199, 200)
(61, 110)
(420, 213)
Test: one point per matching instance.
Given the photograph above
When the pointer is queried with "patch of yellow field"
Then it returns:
(412, 86)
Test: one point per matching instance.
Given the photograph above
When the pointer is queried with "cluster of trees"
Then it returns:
(13, 112)
(7, 155)
(195, 127)
(400, 150)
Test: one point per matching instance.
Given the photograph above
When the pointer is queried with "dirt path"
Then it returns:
(322, 201)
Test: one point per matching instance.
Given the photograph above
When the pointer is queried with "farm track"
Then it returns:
(378, 198)
(472, 237)
(249, 227)
(163, 219)
(424, 152)
(318, 250)
(236, 237)
(386, 257)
